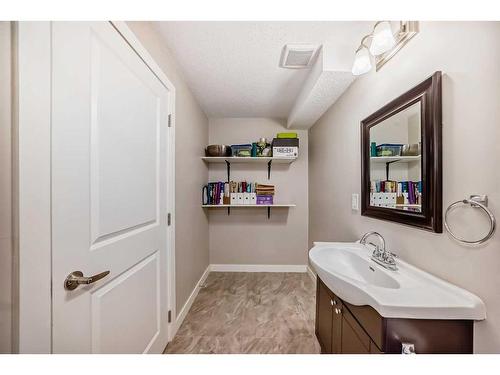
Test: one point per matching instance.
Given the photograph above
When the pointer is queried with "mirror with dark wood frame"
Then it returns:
(401, 177)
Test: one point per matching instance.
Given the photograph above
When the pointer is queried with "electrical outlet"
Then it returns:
(355, 202)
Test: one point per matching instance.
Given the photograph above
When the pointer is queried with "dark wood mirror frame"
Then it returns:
(428, 93)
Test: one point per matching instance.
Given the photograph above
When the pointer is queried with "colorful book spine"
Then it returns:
(412, 188)
(243, 192)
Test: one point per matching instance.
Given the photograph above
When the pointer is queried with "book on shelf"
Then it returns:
(242, 192)
(405, 192)
(264, 189)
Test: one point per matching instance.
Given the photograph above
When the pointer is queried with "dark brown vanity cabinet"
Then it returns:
(342, 328)
(328, 320)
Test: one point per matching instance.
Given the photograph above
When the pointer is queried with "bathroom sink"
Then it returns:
(347, 269)
(354, 267)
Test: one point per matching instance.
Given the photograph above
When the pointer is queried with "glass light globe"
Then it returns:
(383, 39)
(362, 62)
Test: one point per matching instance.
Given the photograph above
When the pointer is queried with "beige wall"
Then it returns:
(5, 191)
(469, 56)
(191, 135)
(247, 236)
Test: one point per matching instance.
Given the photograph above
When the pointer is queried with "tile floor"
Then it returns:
(253, 312)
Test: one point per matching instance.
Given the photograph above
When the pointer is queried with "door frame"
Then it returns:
(32, 323)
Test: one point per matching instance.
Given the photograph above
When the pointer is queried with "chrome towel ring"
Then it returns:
(478, 201)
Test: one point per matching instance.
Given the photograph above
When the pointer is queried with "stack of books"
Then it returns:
(265, 194)
(215, 193)
(396, 192)
(237, 193)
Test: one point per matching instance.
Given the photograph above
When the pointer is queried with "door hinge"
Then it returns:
(169, 121)
(170, 316)
(169, 219)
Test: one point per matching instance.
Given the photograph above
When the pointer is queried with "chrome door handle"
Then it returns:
(76, 278)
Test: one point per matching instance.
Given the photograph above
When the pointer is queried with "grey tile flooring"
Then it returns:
(254, 312)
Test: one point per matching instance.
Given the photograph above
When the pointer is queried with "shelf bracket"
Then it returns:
(269, 169)
(387, 168)
(228, 211)
(228, 167)
(268, 212)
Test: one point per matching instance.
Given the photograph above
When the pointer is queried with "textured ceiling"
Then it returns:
(233, 67)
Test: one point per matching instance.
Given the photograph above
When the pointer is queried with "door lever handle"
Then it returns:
(76, 278)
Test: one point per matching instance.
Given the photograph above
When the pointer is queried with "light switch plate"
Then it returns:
(355, 202)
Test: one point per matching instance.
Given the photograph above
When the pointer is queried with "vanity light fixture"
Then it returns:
(382, 38)
(383, 45)
(362, 59)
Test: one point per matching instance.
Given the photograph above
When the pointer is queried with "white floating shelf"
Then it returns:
(245, 205)
(248, 159)
(388, 159)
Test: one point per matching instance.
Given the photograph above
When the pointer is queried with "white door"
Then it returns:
(109, 170)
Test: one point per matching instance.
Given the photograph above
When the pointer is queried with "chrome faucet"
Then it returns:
(380, 255)
(379, 236)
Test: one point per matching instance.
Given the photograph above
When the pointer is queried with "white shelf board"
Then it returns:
(248, 159)
(245, 205)
(401, 159)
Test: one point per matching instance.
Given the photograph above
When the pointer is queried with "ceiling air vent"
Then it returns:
(298, 56)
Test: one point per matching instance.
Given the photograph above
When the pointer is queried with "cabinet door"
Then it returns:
(354, 338)
(324, 317)
(337, 325)
(374, 349)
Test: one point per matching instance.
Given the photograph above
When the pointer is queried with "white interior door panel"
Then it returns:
(109, 120)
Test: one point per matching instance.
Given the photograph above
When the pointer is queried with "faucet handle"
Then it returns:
(389, 258)
(377, 252)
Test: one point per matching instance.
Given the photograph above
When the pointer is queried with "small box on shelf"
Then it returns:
(285, 147)
(264, 199)
(234, 198)
(240, 199)
(253, 198)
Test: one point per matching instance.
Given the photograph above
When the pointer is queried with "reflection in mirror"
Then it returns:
(401, 159)
(396, 162)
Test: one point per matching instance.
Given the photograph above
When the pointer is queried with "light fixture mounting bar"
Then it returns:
(408, 30)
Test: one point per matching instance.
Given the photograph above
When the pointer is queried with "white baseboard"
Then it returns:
(311, 273)
(258, 268)
(185, 309)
